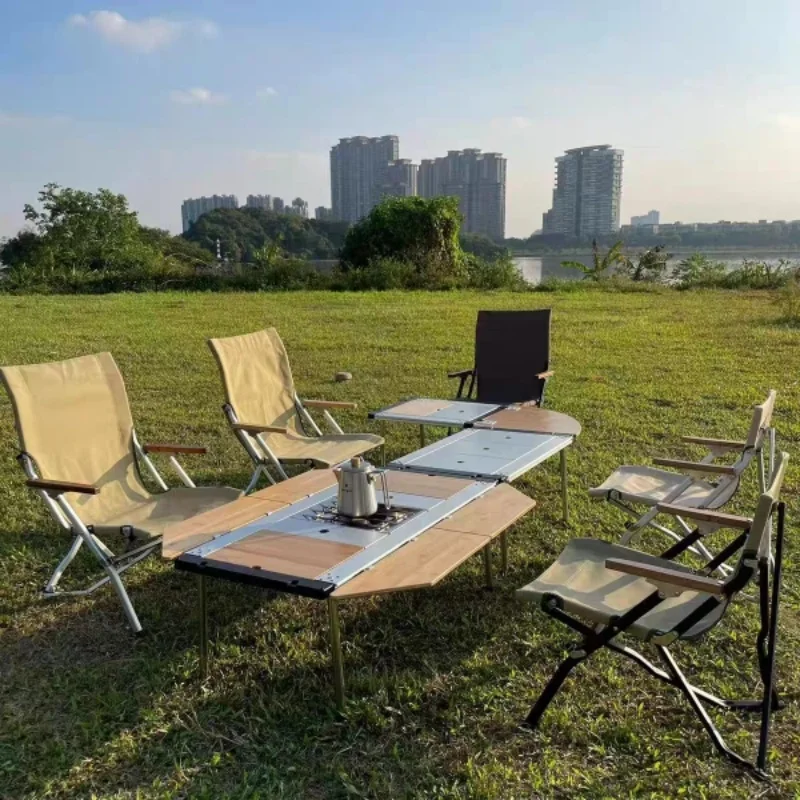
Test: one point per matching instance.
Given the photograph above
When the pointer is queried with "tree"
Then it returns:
(78, 231)
(649, 266)
(482, 246)
(601, 264)
(417, 231)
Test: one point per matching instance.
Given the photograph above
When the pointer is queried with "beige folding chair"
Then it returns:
(603, 590)
(81, 454)
(268, 417)
(703, 484)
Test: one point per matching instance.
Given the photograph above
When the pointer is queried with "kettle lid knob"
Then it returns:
(356, 462)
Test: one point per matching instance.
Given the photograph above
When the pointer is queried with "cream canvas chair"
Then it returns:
(703, 484)
(268, 417)
(81, 454)
(603, 590)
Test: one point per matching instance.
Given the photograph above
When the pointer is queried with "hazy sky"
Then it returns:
(167, 99)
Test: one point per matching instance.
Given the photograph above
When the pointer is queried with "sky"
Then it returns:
(167, 99)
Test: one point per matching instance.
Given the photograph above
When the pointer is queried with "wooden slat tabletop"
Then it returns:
(532, 419)
(202, 528)
(436, 553)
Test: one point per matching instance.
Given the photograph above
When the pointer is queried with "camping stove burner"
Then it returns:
(382, 519)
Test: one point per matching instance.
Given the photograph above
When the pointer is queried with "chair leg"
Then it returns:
(51, 585)
(122, 593)
(551, 690)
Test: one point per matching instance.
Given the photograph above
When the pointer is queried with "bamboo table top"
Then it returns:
(304, 562)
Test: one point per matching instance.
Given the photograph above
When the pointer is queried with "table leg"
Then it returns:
(487, 565)
(336, 653)
(203, 609)
(564, 497)
(504, 552)
(422, 436)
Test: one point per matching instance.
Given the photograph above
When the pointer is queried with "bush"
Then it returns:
(500, 273)
(698, 271)
(788, 301)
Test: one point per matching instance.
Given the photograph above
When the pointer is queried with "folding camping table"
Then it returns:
(289, 537)
(526, 429)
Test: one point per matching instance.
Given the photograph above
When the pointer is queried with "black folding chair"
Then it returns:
(512, 358)
(601, 590)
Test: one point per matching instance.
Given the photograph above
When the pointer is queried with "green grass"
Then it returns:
(437, 680)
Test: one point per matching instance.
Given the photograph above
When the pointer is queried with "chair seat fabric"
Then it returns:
(650, 486)
(150, 517)
(323, 451)
(587, 589)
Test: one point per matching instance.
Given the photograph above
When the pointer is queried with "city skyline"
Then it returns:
(163, 101)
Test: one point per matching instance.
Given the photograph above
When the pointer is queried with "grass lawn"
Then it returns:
(437, 680)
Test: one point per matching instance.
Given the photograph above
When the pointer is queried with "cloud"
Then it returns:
(143, 36)
(198, 96)
(787, 122)
(267, 92)
(512, 123)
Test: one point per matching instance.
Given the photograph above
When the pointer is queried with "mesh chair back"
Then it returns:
(511, 348)
(73, 418)
(258, 379)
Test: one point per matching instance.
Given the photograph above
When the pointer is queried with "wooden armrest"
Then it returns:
(329, 404)
(462, 373)
(545, 375)
(684, 580)
(727, 444)
(174, 448)
(249, 427)
(703, 515)
(695, 466)
(60, 487)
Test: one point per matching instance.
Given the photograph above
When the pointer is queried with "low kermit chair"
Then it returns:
(267, 416)
(80, 453)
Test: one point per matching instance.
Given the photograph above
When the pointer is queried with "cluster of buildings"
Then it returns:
(364, 170)
(194, 208)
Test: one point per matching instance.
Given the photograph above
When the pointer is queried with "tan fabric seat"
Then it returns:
(152, 516)
(651, 486)
(325, 451)
(74, 419)
(586, 588)
(260, 389)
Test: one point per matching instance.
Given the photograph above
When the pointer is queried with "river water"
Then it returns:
(536, 269)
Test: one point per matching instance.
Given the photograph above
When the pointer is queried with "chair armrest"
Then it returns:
(545, 375)
(462, 373)
(686, 581)
(695, 466)
(329, 404)
(187, 449)
(248, 427)
(718, 444)
(61, 487)
(703, 515)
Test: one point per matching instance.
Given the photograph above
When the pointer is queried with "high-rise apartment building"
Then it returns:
(477, 179)
(298, 208)
(359, 168)
(586, 198)
(401, 179)
(193, 208)
(322, 213)
(259, 201)
(650, 218)
(278, 206)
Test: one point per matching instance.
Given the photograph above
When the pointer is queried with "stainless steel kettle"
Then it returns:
(357, 496)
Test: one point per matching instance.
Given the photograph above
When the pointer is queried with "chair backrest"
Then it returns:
(762, 421)
(758, 538)
(511, 349)
(73, 418)
(257, 377)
